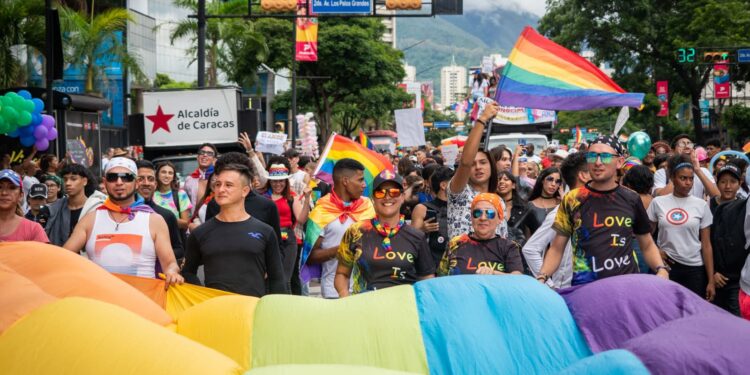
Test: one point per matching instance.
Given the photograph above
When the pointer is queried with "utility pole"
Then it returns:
(201, 43)
(293, 120)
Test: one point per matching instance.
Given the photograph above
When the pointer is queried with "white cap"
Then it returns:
(561, 153)
(121, 162)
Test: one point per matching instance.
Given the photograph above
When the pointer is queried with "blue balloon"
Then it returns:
(26, 131)
(730, 153)
(36, 119)
(28, 141)
(14, 133)
(24, 94)
(38, 105)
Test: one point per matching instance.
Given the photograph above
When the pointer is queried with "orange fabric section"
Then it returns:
(20, 296)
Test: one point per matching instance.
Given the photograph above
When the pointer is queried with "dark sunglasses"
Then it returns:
(125, 177)
(606, 157)
(552, 179)
(206, 153)
(393, 193)
(477, 213)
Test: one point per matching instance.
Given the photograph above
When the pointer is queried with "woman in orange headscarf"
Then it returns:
(482, 251)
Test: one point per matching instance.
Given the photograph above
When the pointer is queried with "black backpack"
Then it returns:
(728, 238)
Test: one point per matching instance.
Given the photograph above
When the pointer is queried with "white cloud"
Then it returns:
(536, 7)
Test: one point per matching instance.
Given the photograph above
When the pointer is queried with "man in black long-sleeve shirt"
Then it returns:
(146, 184)
(238, 251)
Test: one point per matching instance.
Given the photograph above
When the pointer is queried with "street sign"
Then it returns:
(442, 124)
(743, 55)
(340, 6)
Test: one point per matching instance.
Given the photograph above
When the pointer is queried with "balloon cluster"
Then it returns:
(21, 117)
(308, 134)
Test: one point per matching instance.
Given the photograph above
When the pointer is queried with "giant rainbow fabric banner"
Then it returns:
(542, 74)
(340, 147)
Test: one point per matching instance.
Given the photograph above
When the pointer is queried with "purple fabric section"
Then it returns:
(710, 343)
(310, 271)
(613, 310)
(605, 100)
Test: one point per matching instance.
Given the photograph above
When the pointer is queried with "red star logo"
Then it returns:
(160, 120)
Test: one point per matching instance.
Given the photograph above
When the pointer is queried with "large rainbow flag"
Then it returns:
(340, 147)
(542, 74)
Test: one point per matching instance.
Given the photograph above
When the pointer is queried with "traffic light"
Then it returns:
(403, 4)
(278, 6)
(714, 57)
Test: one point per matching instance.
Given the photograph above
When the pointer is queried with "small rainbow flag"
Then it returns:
(542, 74)
(340, 147)
(364, 140)
(579, 136)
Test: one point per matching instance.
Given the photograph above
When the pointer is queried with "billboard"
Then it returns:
(523, 116)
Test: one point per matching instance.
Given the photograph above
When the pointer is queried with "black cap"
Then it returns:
(387, 176)
(38, 191)
(729, 168)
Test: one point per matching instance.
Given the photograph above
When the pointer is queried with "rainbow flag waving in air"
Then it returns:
(579, 136)
(340, 147)
(542, 74)
(364, 140)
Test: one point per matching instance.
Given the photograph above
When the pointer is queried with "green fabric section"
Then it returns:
(323, 370)
(521, 75)
(378, 329)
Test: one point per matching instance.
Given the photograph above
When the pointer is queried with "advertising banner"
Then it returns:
(306, 36)
(721, 81)
(662, 92)
(523, 116)
(190, 117)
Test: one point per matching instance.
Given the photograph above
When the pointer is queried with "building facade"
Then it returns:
(452, 84)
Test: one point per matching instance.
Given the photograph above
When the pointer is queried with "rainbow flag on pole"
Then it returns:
(340, 147)
(542, 74)
(364, 140)
(579, 136)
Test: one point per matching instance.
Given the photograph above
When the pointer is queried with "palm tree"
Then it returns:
(220, 55)
(90, 39)
(21, 23)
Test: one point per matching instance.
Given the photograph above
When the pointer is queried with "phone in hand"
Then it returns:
(430, 214)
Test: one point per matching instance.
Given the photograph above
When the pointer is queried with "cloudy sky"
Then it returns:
(532, 6)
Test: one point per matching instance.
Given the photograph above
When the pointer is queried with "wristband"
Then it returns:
(481, 122)
(663, 267)
(543, 277)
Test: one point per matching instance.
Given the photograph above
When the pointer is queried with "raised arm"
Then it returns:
(463, 172)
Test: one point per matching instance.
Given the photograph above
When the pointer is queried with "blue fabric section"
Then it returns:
(613, 362)
(478, 324)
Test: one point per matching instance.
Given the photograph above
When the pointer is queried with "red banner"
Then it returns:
(722, 90)
(306, 36)
(662, 92)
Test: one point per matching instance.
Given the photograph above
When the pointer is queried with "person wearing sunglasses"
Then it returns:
(13, 226)
(684, 223)
(482, 251)
(704, 183)
(81, 198)
(601, 219)
(195, 184)
(544, 197)
(383, 252)
(124, 235)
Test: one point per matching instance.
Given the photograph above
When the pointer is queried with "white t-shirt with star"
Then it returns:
(680, 221)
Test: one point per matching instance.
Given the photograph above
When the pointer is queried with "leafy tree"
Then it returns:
(639, 39)
(244, 49)
(21, 23)
(375, 104)
(436, 136)
(737, 120)
(90, 40)
(163, 81)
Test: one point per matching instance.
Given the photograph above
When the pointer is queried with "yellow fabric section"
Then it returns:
(182, 297)
(323, 370)
(378, 329)
(224, 324)
(84, 336)
(60, 273)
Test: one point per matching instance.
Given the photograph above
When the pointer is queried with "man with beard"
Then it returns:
(123, 235)
(145, 186)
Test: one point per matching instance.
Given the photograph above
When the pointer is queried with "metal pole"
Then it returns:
(293, 120)
(50, 51)
(201, 43)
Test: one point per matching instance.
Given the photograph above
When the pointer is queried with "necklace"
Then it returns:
(387, 232)
(117, 223)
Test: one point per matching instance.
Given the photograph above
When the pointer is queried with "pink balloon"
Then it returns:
(42, 144)
(51, 134)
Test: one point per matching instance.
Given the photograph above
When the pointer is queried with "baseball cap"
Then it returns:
(387, 176)
(731, 169)
(11, 176)
(38, 191)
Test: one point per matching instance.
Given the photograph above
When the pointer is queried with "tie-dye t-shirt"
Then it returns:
(465, 255)
(373, 268)
(601, 226)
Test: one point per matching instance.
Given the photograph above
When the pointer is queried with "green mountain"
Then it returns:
(468, 37)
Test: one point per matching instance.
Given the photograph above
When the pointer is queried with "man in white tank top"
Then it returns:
(124, 235)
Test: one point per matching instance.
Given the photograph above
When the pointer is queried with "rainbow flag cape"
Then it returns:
(340, 147)
(542, 74)
(327, 209)
(579, 136)
(364, 140)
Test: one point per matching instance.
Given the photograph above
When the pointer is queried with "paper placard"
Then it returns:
(450, 153)
(409, 126)
(271, 143)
